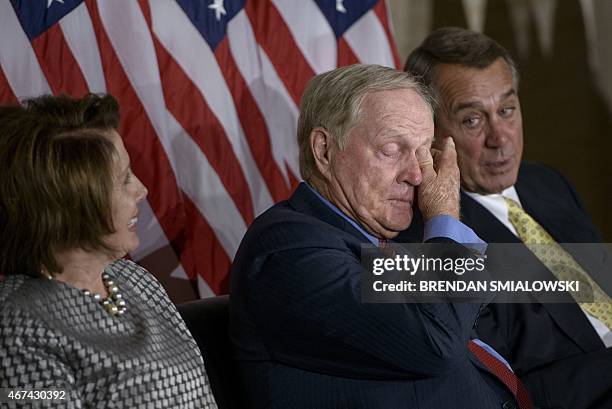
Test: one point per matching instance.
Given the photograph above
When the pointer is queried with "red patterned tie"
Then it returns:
(499, 369)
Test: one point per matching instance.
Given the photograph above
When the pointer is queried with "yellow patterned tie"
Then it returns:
(558, 261)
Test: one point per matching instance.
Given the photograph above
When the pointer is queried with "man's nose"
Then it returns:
(410, 172)
(495, 134)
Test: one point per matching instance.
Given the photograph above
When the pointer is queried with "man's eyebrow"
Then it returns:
(467, 105)
(508, 93)
(478, 104)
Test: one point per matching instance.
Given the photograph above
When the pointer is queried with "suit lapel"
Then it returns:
(484, 223)
(569, 317)
(551, 212)
(558, 220)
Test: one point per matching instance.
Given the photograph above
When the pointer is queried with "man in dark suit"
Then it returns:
(561, 351)
(301, 334)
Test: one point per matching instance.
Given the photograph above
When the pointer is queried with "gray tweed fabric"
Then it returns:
(54, 336)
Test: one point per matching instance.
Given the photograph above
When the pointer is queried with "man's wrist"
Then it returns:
(450, 227)
(453, 214)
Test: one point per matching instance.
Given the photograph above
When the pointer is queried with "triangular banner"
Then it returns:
(412, 23)
(544, 16)
(519, 18)
(598, 32)
(475, 14)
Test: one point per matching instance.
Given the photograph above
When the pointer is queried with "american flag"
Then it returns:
(209, 93)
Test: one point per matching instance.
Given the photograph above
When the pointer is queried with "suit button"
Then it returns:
(508, 405)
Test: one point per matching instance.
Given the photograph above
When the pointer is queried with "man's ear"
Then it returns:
(321, 145)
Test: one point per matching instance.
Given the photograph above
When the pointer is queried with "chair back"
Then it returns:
(208, 322)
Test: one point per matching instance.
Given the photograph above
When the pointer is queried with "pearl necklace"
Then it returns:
(114, 304)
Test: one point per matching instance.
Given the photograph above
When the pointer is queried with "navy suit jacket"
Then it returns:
(303, 339)
(553, 347)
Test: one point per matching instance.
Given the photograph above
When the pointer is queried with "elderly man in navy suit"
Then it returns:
(561, 350)
(301, 335)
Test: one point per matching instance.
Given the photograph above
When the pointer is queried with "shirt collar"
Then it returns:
(374, 240)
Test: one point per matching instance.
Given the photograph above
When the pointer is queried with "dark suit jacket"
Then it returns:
(303, 339)
(553, 347)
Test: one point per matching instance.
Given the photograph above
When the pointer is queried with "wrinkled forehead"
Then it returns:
(398, 106)
(457, 85)
(397, 114)
(375, 102)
